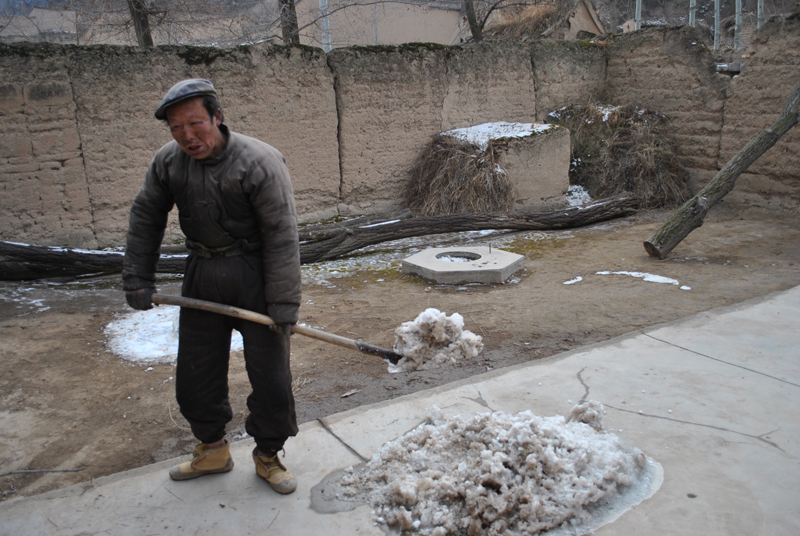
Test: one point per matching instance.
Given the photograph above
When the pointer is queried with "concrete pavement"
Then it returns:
(714, 398)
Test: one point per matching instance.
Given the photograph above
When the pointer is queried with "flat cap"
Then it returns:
(185, 89)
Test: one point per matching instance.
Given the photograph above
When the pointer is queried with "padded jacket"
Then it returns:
(242, 194)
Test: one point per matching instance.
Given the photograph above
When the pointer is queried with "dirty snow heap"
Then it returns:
(498, 474)
(432, 339)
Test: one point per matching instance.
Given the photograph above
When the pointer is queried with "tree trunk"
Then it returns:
(472, 20)
(289, 29)
(691, 215)
(21, 262)
(141, 23)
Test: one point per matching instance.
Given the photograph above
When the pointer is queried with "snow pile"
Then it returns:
(148, 337)
(481, 135)
(577, 195)
(495, 474)
(432, 339)
(590, 413)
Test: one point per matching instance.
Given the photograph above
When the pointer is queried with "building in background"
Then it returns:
(349, 22)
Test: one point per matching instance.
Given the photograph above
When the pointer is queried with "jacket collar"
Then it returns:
(226, 133)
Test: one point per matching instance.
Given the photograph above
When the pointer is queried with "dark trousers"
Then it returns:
(204, 353)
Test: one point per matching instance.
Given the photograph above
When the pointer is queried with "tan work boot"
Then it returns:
(274, 472)
(206, 461)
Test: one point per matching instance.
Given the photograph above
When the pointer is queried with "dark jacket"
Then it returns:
(242, 197)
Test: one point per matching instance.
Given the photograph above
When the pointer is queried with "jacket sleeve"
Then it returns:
(146, 225)
(273, 202)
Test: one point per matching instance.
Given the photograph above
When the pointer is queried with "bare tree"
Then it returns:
(475, 28)
(141, 22)
(289, 29)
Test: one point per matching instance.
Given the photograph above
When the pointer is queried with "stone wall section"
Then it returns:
(567, 72)
(389, 103)
(756, 99)
(79, 131)
(393, 100)
(45, 197)
(538, 165)
(283, 96)
(670, 71)
(115, 91)
(488, 83)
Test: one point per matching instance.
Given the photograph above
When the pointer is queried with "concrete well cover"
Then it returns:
(456, 265)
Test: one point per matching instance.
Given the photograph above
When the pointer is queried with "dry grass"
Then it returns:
(457, 177)
(521, 21)
(623, 149)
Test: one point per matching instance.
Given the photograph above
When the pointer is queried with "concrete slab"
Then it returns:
(713, 398)
(458, 265)
(146, 501)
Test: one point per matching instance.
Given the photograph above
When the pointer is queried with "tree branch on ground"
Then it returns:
(25, 262)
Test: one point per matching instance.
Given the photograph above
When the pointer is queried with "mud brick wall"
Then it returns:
(669, 70)
(755, 100)
(392, 100)
(79, 132)
(44, 195)
(271, 93)
(91, 110)
(567, 72)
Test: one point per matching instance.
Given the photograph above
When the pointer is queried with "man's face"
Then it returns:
(198, 134)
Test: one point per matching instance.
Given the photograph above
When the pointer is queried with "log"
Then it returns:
(313, 233)
(691, 215)
(25, 262)
(565, 218)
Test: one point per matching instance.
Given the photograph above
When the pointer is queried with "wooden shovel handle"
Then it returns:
(236, 312)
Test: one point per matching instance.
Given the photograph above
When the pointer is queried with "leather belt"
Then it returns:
(240, 247)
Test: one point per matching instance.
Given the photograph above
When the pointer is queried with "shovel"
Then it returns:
(192, 303)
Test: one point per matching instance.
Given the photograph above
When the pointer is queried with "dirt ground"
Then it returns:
(66, 402)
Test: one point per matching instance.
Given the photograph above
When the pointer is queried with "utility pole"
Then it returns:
(716, 25)
(737, 32)
(326, 25)
(693, 10)
(638, 14)
(761, 16)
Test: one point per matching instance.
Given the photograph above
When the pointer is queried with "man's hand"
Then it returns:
(140, 298)
(281, 327)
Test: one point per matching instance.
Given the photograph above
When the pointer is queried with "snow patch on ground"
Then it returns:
(147, 337)
(645, 276)
(432, 339)
(495, 473)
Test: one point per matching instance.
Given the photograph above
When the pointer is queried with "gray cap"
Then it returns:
(185, 89)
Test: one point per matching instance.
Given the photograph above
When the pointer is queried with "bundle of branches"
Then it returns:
(619, 149)
(452, 176)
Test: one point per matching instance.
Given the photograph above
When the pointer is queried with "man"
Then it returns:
(236, 208)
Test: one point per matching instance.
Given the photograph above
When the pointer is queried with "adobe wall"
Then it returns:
(669, 70)
(79, 132)
(392, 100)
(755, 100)
(566, 72)
(44, 198)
